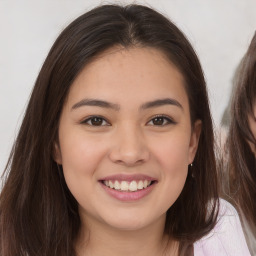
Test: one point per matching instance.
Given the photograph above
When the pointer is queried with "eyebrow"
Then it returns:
(96, 103)
(161, 102)
(105, 104)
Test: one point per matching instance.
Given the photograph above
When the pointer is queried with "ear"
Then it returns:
(57, 153)
(194, 139)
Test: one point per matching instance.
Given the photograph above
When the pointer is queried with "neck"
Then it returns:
(99, 239)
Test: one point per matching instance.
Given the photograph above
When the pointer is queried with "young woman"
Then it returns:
(241, 144)
(115, 153)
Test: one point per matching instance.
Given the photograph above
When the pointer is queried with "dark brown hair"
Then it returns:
(241, 182)
(38, 214)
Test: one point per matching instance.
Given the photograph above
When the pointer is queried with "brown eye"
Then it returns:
(158, 121)
(96, 121)
(161, 121)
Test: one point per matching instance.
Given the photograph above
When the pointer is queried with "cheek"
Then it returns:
(173, 153)
(252, 125)
(81, 152)
(81, 156)
(175, 164)
(172, 157)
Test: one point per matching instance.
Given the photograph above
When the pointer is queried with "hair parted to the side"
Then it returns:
(241, 185)
(38, 214)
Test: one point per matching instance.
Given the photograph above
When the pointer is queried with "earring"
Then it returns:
(191, 171)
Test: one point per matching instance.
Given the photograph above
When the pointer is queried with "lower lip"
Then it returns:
(128, 196)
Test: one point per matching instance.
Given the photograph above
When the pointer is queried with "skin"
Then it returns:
(252, 126)
(127, 141)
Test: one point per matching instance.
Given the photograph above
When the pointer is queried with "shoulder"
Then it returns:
(250, 234)
(226, 238)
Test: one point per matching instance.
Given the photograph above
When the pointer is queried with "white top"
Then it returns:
(250, 235)
(227, 237)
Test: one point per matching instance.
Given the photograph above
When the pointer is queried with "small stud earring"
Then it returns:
(191, 171)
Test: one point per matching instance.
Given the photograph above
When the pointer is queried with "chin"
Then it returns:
(123, 224)
(132, 221)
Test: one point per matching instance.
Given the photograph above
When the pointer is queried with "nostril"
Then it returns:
(129, 149)
(129, 158)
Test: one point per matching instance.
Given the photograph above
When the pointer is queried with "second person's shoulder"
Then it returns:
(226, 238)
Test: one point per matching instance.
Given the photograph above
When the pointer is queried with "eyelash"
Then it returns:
(89, 119)
(166, 121)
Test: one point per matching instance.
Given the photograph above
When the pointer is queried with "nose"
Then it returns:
(129, 147)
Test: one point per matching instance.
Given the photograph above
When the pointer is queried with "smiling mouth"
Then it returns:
(128, 186)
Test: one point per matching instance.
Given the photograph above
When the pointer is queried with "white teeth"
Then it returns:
(111, 184)
(133, 186)
(116, 185)
(124, 186)
(127, 186)
(140, 184)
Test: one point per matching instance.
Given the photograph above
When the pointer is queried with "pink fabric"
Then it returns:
(227, 238)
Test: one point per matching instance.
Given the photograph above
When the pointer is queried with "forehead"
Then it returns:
(142, 73)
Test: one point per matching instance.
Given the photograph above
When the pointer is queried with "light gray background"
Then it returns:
(219, 30)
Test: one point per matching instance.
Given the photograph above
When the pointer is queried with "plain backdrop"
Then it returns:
(219, 30)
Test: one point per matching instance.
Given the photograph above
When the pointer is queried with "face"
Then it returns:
(252, 125)
(125, 138)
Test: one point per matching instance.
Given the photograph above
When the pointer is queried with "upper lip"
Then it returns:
(129, 177)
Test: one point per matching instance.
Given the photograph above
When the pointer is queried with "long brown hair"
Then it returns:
(241, 184)
(38, 214)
